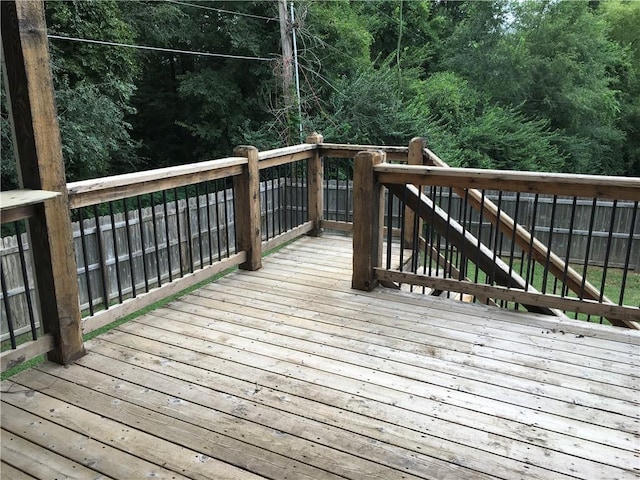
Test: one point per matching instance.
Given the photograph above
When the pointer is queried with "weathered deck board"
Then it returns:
(287, 373)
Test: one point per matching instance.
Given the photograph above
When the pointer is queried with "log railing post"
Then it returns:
(315, 185)
(247, 205)
(41, 167)
(415, 157)
(368, 221)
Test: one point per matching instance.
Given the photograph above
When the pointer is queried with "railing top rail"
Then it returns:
(340, 150)
(18, 204)
(286, 151)
(87, 192)
(598, 186)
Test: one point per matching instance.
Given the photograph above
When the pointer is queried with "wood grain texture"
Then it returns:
(286, 372)
(247, 209)
(622, 188)
(368, 221)
(41, 167)
(315, 185)
(106, 189)
(557, 266)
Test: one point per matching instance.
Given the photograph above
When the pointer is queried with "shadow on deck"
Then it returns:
(286, 372)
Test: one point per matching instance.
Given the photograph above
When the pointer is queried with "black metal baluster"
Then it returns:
(25, 279)
(103, 266)
(587, 250)
(207, 200)
(129, 247)
(85, 259)
(607, 253)
(545, 275)
(199, 224)
(115, 250)
(625, 271)
(178, 225)
(7, 308)
(142, 244)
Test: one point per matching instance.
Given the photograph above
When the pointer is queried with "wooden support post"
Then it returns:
(247, 214)
(41, 167)
(415, 157)
(315, 185)
(368, 221)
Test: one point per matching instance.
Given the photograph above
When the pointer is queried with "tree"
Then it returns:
(93, 85)
(469, 131)
(623, 19)
(552, 61)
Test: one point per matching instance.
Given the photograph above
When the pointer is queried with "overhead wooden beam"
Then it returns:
(40, 166)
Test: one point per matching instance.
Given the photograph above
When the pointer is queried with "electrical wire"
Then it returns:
(220, 10)
(160, 49)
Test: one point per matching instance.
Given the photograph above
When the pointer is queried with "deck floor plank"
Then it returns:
(286, 373)
(274, 283)
(35, 461)
(310, 313)
(348, 364)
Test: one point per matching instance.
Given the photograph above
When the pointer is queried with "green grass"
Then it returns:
(612, 288)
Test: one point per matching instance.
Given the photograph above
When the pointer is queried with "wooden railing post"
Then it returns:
(247, 204)
(315, 185)
(415, 157)
(41, 167)
(368, 221)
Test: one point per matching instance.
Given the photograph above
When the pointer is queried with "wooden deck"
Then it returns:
(287, 373)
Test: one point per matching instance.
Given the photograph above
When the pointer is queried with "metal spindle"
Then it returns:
(168, 238)
(607, 252)
(199, 224)
(628, 254)
(103, 267)
(142, 244)
(25, 279)
(530, 267)
(85, 259)
(208, 210)
(179, 230)
(114, 237)
(7, 308)
(549, 245)
(592, 218)
(226, 219)
(129, 248)
(217, 194)
(564, 289)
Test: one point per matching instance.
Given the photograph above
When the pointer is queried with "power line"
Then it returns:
(220, 10)
(159, 49)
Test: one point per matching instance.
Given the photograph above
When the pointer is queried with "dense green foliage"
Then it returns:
(536, 85)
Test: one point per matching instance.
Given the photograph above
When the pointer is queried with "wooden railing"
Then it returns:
(452, 253)
(144, 236)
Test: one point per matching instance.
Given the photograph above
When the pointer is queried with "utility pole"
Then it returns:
(295, 65)
(287, 54)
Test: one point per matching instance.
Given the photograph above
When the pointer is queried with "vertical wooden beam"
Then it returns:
(315, 185)
(247, 214)
(368, 220)
(415, 157)
(41, 167)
